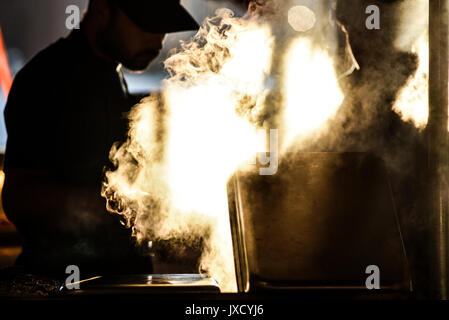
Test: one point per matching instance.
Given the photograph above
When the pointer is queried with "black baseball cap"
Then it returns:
(158, 16)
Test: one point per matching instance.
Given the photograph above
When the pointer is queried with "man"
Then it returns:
(66, 108)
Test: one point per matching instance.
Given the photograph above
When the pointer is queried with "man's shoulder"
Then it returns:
(50, 61)
(41, 84)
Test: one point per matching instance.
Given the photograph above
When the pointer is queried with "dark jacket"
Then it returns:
(65, 110)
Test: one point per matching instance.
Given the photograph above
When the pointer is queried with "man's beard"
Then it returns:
(137, 63)
(140, 62)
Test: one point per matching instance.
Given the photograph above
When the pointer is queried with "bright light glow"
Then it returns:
(311, 91)
(412, 102)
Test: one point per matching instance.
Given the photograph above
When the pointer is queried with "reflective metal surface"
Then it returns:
(319, 222)
(146, 283)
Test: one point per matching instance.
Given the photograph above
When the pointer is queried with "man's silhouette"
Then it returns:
(66, 108)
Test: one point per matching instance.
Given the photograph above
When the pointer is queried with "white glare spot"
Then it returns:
(301, 18)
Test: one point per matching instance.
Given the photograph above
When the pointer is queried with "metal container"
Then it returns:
(319, 222)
